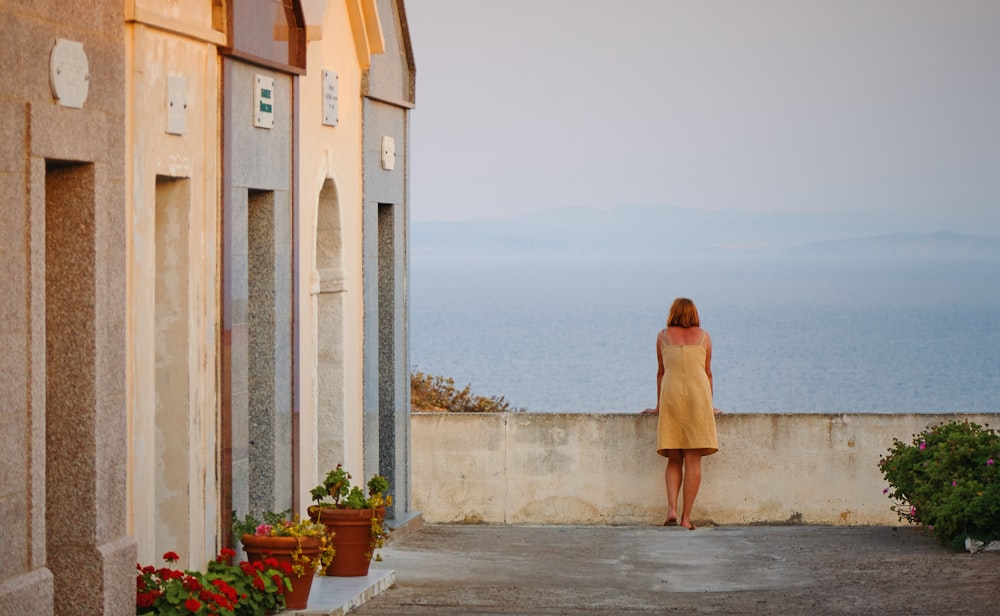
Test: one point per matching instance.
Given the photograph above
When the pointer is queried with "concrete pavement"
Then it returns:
(485, 570)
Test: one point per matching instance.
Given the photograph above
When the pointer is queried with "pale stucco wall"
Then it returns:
(329, 260)
(174, 499)
(525, 468)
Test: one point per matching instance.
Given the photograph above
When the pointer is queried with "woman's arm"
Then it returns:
(708, 362)
(659, 380)
(708, 369)
(659, 372)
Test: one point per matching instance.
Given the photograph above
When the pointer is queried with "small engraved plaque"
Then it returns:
(329, 98)
(263, 102)
(176, 105)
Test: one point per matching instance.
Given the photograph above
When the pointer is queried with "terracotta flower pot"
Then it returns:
(351, 535)
(282, 549)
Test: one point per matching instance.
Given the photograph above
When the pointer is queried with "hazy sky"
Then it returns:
(759, 105)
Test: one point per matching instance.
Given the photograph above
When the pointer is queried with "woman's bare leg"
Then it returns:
(692, 481)
(673, 474)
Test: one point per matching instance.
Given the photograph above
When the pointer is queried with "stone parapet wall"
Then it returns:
(586, 469)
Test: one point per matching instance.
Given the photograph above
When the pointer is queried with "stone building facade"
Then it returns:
(260, 71)
(64, 541)
(189, 250)
(343, 39)
(172, 188)
(388, 95)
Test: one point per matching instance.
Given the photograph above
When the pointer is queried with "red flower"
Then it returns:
(192, 605)
(258, 583)
(271, 562)
(146, 599)
(171, 557)
(225, 588)
(191, 583)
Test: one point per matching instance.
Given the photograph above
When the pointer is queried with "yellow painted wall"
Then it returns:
(330, 160)
(174, 500)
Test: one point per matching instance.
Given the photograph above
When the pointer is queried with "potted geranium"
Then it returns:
(355, 520)
(303, 544)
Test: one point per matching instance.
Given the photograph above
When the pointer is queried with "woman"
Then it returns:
(686, 426)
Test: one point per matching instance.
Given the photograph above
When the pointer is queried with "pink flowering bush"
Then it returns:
(947, 479)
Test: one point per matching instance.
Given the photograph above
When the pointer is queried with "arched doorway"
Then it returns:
(330, 330)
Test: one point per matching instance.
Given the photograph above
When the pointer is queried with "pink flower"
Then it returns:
(954, 483)
(913, 511)
(263, 530)
(923, 445)
(990, 462)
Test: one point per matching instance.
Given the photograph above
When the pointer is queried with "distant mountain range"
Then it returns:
(672, 231)
(936, 244)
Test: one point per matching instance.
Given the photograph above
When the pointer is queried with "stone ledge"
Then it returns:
(402, 526)
(336, 596)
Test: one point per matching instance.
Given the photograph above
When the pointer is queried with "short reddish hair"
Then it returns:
(683, 314)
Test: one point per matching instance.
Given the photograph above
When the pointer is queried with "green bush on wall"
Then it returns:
(947, 479)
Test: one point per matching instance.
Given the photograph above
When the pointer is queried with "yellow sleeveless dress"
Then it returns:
(687, 418)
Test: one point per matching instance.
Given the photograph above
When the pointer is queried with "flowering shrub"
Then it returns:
(948, 480)
(245, 589)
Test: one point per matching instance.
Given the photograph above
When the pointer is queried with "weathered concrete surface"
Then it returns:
(482, 570)
(527, 468)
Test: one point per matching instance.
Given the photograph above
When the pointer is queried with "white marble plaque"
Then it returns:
(69, 73)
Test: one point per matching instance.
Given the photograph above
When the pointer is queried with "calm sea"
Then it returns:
(809, 335)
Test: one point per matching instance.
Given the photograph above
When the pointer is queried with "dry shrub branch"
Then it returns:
(437, 394)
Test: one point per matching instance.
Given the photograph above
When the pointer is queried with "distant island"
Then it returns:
(672, 231)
